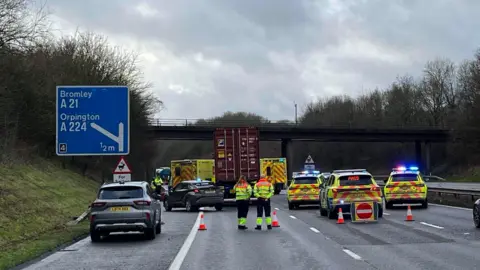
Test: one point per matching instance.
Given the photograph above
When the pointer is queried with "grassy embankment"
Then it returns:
(36, 202)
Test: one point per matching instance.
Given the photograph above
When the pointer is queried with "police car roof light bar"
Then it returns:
(350, 170)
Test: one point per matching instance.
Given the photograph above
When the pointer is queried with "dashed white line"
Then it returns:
(467, 233)
(454, 207)
(276, 209)
(352, 254)
(293, 217)
(314, 230)
(177, 262)
(386, 214)
(431, 225)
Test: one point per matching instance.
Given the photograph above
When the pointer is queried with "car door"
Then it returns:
(174, 197)
(324, 191)
(180, 192)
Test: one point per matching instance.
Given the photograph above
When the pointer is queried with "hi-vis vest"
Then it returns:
(263, 189)
(242, 191)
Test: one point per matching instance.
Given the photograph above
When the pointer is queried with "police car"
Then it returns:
(304, 189)
(405, 185)
(345, 187)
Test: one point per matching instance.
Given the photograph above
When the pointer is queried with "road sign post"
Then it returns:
(364, 211)
(93, 120)
(122, 172)
(309, 163)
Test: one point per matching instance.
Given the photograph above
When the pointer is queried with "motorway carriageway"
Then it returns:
(441, 237)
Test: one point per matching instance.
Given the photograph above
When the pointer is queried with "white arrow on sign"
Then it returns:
(118, 139)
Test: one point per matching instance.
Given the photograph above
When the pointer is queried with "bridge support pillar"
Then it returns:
(427, 158)
(287, 154)
(418, 154)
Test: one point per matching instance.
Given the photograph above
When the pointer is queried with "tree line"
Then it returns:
(33, 62)
(446, 95)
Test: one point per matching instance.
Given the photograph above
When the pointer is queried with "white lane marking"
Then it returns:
(386, 214)
(454, 207)
(293, 217)
(431, 225)
(467, 233)
(276, 209)
(314, 230)
(352, 254)
(55, 256)
(182, 253)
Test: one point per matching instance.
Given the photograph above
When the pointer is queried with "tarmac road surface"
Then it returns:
(125, 251)
(440, 238)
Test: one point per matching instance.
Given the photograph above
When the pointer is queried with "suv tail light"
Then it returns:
(92, 218)
(142, 202)
(147, 215)
(375, 189)
(196, 190)
(98, 204)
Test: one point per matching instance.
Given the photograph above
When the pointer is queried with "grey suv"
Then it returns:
(124, 207)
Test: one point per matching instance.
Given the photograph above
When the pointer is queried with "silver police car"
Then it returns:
(124, 207)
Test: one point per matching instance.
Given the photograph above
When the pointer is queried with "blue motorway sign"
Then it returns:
(93, 120)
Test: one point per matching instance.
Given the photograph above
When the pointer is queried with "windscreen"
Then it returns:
(123, 192)
(404, 177)
(355, 180)
(305, 180)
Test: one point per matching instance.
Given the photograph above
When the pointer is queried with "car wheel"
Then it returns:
(150, 233)
(219, 207)
(476, 216)
(95, 236)
(323, 212)
(188, 206)
(158, 227)
(291, 206)
(167, 206)
(425, 204)
(331, 213)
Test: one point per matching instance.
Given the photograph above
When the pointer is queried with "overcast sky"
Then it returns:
(206, 57)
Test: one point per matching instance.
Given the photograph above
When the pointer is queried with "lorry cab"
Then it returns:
(189, 169)
(276, 171)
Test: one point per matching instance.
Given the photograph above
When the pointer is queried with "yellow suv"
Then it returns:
(405, 185)
(345, 187)
(303, 190)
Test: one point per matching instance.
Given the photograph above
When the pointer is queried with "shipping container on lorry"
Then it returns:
(236, 153)
(276, 171)
(191, 169)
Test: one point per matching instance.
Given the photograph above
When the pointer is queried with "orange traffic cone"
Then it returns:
(202, 226)
(409, 214)
(340, 219)
(275, 220)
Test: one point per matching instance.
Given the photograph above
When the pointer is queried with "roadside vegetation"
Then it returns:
(446, 95)
(39, 192)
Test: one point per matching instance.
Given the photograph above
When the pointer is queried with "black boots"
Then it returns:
(258, 228)
(269, 227)
(242, 227)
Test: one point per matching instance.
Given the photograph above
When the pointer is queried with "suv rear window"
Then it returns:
(355, 180)
(404, 177)
(203, 184)
(305, 180)
(124, 192)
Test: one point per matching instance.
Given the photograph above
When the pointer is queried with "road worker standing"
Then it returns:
(263, 190)
(243, 191)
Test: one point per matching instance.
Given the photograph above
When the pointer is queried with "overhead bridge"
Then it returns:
(189, 129)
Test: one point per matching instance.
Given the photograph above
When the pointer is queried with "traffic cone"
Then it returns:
(202, 226)
(275, 220)
(409, 214)
(340, 219)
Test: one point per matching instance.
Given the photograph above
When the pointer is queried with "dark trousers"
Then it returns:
(263, 206)
(242, 211)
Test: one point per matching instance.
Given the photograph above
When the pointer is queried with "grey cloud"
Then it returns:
(266, 47)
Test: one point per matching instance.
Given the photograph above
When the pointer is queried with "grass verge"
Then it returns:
(36, 202)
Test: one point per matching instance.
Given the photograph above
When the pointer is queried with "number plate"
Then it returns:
(210, 191)
(120, 208)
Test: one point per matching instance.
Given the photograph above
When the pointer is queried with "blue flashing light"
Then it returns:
(199, 180)
(404, 168)
(413, 168)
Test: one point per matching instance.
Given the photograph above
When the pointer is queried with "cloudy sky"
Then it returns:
(205, 57)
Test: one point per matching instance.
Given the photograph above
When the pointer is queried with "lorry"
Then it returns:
(236, 153)
(191, 169)
(276, 171)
